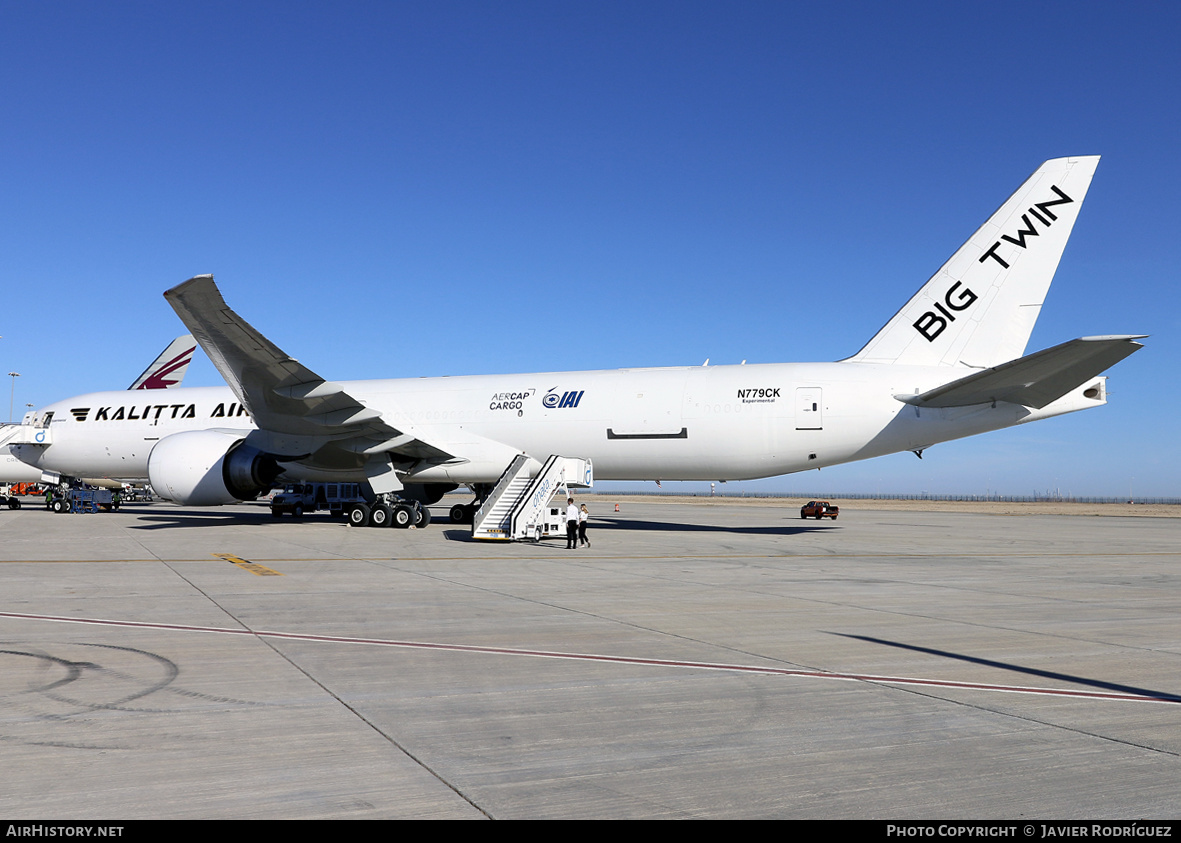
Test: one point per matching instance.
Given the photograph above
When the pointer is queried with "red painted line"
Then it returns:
(628, 660)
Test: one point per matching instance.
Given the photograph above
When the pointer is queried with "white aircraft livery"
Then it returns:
(949, 364)
(166, 371)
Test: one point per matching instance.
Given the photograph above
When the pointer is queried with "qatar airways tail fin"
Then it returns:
(169, 368)
(979, 309)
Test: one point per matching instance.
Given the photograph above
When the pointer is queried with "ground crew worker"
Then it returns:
(571, 524)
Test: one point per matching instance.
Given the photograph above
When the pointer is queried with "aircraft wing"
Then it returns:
(283, 396)
(1036, 379)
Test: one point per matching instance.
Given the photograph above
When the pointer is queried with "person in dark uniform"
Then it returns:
(571, 524)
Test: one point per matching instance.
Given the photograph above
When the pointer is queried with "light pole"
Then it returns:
(12, 394)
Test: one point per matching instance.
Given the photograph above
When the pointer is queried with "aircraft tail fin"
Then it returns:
(169, 368)
(979, 309)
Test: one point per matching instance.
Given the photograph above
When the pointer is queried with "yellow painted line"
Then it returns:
(246, 565)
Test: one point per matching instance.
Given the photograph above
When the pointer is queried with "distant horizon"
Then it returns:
(1048, 495)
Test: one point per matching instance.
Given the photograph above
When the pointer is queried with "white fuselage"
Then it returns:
(690, 423)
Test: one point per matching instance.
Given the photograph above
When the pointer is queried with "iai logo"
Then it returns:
(553, 400)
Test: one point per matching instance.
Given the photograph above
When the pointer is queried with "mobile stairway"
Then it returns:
(24, 434)
(516, 509)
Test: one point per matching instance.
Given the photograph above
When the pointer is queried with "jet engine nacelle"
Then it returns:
(209, 468)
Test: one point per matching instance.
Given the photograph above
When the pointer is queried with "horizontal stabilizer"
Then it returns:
(1035, 380)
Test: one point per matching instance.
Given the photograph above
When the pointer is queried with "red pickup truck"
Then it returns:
(819, 509)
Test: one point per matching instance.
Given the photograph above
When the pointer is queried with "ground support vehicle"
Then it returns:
(354, 501)
(819, 509)
(296, 498)
(519, 507)
(34, 489)
(85, 500)
(301, 498)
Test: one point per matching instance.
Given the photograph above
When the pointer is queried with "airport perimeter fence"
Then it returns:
(884, 496)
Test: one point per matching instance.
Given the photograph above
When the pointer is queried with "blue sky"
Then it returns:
(400, 189)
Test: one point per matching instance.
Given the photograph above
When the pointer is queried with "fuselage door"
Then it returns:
(809, 408)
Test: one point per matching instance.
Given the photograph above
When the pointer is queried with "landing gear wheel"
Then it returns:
(58, 506)
(380, 517)
(423, 516)
(403, 516)
(359, 516)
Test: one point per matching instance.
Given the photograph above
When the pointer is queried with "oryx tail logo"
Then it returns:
(554, 401)
(159, 379)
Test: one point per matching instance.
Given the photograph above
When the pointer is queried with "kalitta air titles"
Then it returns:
(155, 412)
(956, 300)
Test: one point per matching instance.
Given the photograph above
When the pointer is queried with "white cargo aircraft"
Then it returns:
(949, 364)
(165, 372)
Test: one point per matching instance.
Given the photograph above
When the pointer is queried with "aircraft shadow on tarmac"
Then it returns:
(183, 518)
(618, 525)
(1016, 668)
(204, 519)
(608, 523)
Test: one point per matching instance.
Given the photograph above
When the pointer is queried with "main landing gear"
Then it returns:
(465, 513)
(397, 513)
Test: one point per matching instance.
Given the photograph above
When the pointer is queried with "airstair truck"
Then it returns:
(518, 508)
